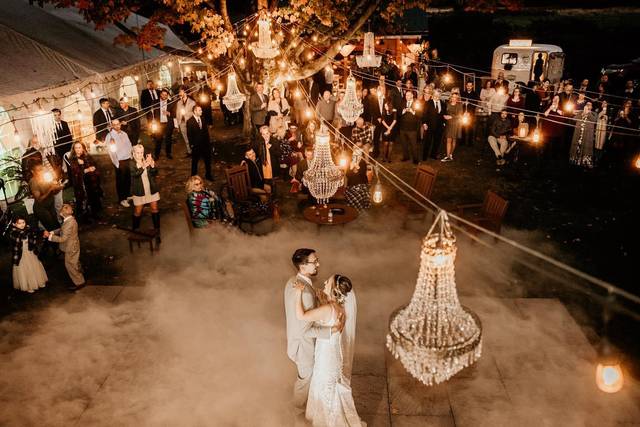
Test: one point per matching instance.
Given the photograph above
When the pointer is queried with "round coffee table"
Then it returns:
(319, 214)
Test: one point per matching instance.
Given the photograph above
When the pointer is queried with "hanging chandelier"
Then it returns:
(369, 59)
(434, 336)
(264, 48)
(233, 99)
(323, 177)
(346, 49)
(43, 127)
(351, 107)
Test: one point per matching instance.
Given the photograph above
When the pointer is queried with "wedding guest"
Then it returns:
(200, 142)
(389, 122)
(580, 103)
(120, 154)
(581, 151)
(256, 177)
(294, 138)
(309, 135)
(515, 104)
(470, 99)
(408, 126)
(38, 155)
(498, 132)
(538, 68)
(553, 128)
(357, 191)
(258, 106)
(204, 205)
(433, 122)
(164, 132)
(303, 166)
(601, 133)
(545, 93)
(326, 107)
(86, 180)
(267, 149)
(453, 126)
(362, 135)
(129, 120)
(143, 187)
(102, 120)
(28, 273)
(62, 144)
(484, 110)
(43, 191)
(277, 112)
(69, 242)
(184, 111)
(149, 100)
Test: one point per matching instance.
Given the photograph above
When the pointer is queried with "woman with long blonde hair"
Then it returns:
(143, 187)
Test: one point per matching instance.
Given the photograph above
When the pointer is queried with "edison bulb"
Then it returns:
(465, 119)
(536, 136)
(314, 38)
(210, 56)
(219, 87)
(568, 107)
(79, 115)
(637, 163)
(187, 69)
(609, 377)
(154, 126)
(16, 137)
(447, 78)
(136, 78)
(310, 55)
(343, 161)
(169, 64)
(203, 97)
(297, 93)
(308, 113)
(377, 193)
(47, 176)
(199, 51)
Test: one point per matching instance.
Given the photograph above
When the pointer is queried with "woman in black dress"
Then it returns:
(389, 121)
(86, 180)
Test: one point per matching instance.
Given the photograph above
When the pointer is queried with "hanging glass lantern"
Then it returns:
(346, 49)
(264, 48)
(233, 99)
(351, 107)
(434, 336)
(44, 127)
(323, 177)
(369, 59)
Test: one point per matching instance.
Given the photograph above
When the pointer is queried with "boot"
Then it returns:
(155, 217)
(136, 222)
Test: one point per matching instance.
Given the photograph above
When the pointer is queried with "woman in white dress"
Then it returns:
(330, 402)
(28, 273)
(143, 187)
(278, 111)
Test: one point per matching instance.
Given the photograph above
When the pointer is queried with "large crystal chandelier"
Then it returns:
(369, 59)
(264, 48)
(351, 107)
(43, 127)
(323, 177)
(233, 99)
(434, 336)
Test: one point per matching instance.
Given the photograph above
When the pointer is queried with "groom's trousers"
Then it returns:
(301, 387)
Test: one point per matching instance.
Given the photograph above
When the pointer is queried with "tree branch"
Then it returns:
(224, 12)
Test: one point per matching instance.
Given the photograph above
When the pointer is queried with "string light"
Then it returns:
(568, 107)
(343, 160)
(314, 38)
(294, 44)
(79, 115)
(16, 137)
(466, 119)
(47, 176)
(637, 163)
(447, 78)
(169, 64)
(203, 98)
(297, 94)
(187, 69)
(154, 126)
(536, 137)
(308, 113)
(136, 77)
(199, 51)
(609, 377)
(310, 55)
(241, 62)
(210, 56)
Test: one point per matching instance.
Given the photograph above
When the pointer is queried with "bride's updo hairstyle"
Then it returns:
(342, 286)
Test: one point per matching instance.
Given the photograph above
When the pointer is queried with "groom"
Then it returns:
(301, 335)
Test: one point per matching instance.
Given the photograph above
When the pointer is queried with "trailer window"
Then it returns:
(509, 59)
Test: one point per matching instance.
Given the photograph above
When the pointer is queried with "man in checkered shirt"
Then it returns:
(362, 133)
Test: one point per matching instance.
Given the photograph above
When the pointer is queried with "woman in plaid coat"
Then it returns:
(28, 272)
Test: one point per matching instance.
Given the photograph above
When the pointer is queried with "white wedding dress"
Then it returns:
(330, 402)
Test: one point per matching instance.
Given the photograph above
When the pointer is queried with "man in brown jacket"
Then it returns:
(67, 236)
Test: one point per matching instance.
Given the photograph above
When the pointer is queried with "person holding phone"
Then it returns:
(143, 187)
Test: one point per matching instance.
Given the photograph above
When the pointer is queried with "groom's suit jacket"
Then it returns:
(301, 335)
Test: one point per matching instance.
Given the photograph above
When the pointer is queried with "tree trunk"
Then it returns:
(263, 4)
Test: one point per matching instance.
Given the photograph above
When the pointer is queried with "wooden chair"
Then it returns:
(488, 214)
(247, 203)
(423, 183)
(142, 237)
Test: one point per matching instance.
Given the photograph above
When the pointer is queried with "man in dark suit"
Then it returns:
(63, 135)
(149, 99)
(164, 122)
(258, 105)
(198, 136)
(256, 180)
(129, 120)
(376, 109)
(396, 94)
(102, 120)
(434, 120)
(470, 99)
(408, 126)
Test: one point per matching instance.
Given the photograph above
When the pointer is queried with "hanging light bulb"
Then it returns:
(308, 113)
(169, 64)
(310, 55)
(466, 118)
(242, 62)
(297, 94)
(16, 137)
(210, 56)
(609, 377)
(79, 115)
(314, 38)
(447, 78)
(343, 160)
(203, 98)
(637, 162)
(187, 69)
(92, 93)
(377, 193)
(536, 137)
(47, 176)
(294, 44)
(159, 83)
(246, 27)
(281, 33)
(154, 126)
(569, 106)
(283, 64)
(219, 87)
(136, 78)
(199, 51)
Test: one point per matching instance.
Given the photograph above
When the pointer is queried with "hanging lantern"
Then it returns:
(44, 128)
(536, 136)
(377, 189)
(323, 177)
(346, 49)
(523, 130)
(434, 336)
(264, 48)
(350, 108)
(233, 99)
(369, 59)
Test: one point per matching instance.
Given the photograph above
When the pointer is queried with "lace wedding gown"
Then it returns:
(330, 402)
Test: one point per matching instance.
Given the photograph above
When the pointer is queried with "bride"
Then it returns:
(330, 402)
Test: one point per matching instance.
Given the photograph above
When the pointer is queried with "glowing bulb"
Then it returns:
(568, 107)
(93, 94)
(447, 78)
(609, 377)
(536, 136)
(210, 56)
(203, 98)
(187, 69)
(219, 87)
(314, 38)
(169, 64)
(637, 163)
(47, 176)
(199, 51)
(159, 83)
(255, 34)
(308, 114)
(154, 126)
(283, 64)
(418, 106)
(466, 119)
(246, 27)
(136, 78)
(293, 31)
(500, 91)
(294, 44)
(343, 161)
(281, 33)
(310, 55)
(242, 62)
(112, 147)
(297, 93)
(377, 193)
(244, 33)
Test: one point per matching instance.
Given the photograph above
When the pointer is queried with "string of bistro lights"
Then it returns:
(429, 205)
(528, 113)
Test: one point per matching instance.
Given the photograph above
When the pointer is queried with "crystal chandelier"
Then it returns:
(264, 48)
(368, 58)
(233, 99)
(434, 336)
(351, 107)
(43, 127)
(323, 177)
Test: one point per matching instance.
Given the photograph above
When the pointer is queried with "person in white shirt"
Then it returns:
(184, 111)
(164, 130)
(119, 147)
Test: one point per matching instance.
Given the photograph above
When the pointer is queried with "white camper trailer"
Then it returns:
(518, 58)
